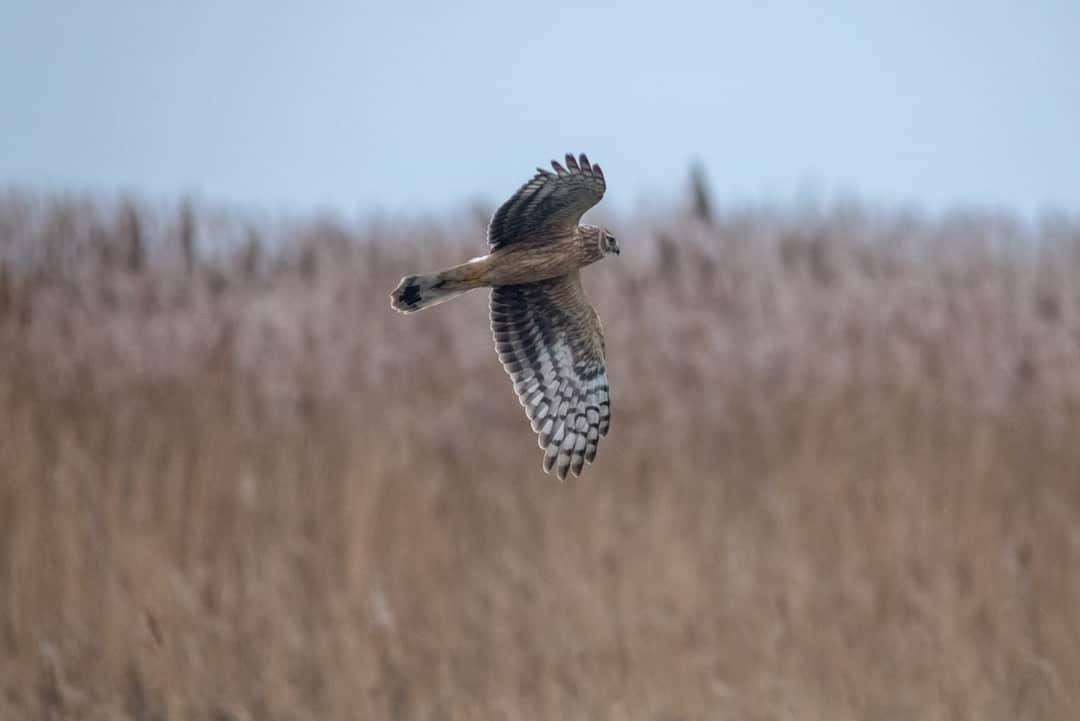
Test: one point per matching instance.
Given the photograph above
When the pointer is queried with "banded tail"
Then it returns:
(416, 292)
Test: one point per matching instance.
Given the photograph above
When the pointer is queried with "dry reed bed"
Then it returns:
(843, 480)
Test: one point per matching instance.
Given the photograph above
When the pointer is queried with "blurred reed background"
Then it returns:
(843, 478)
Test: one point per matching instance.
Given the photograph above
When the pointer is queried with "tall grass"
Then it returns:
(843, 479)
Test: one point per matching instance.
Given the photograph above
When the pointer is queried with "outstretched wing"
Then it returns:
(551, 344)
(550, 203)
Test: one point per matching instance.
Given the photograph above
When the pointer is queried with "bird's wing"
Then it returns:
(550, 203)
(551, 344)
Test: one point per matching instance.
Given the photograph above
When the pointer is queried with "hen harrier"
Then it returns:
(548, 336)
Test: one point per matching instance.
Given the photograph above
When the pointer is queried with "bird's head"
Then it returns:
(608, 244)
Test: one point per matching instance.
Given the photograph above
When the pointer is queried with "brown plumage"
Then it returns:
(548, 336)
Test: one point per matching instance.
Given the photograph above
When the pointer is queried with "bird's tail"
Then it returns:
(416, 292)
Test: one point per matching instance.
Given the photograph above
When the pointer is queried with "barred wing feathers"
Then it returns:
(551, 344)
(551, 203)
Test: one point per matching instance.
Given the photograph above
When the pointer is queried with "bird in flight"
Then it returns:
(548, 336)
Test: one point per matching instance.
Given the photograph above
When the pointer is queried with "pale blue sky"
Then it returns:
(356, 105)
